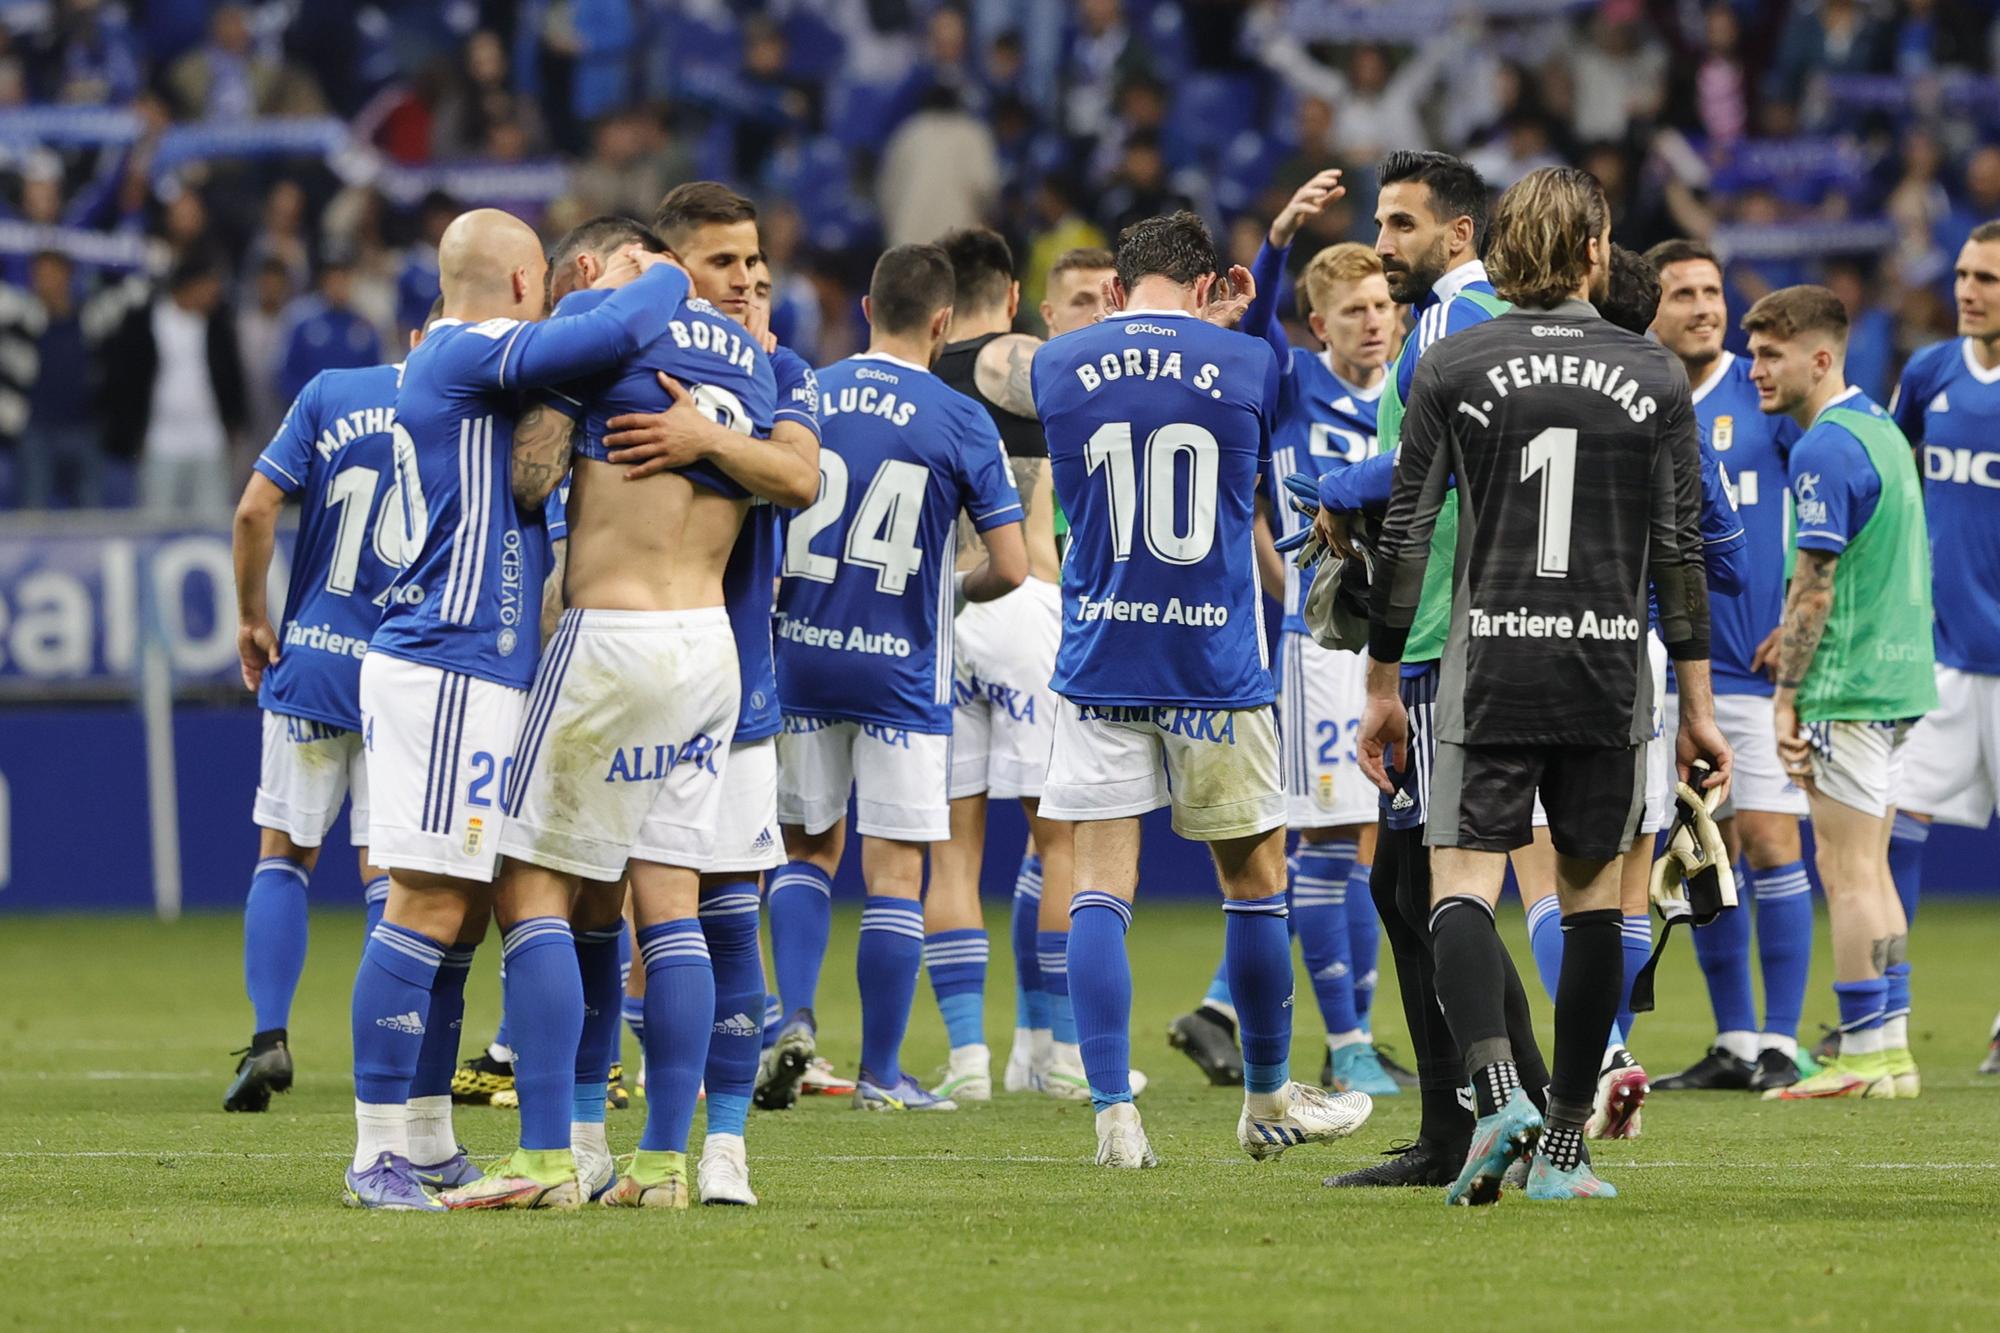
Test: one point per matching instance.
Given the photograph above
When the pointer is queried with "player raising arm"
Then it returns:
(1854, 660)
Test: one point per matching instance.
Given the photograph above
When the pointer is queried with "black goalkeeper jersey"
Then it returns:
(1572, 445)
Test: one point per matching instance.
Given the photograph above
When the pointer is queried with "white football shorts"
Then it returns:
(308, 768)
(1217, 767)
(747, 838)
(898, 778)
(1760, 782)
(1003, 725)
(1321, 693)
(1859, 764)
(440, 747)
(1951, 766)
(1661, 772)
(625, 742)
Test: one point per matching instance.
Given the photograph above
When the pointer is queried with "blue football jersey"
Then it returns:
(471, 600)
(864, 610)
(555, 512)
(1950, 407)
(1754, 451)
(335, 454)
(749, 583)
(1158, 426)
(714, 358)
(1323, 423)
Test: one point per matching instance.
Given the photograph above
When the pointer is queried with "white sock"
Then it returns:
(1065, 1053)
(1778, 1041)
(1861, 1043)
(719, 1142)
(1896, 1033)
(430, 1133)
(975, 1054)
(1266, 1105)
(1336, 1040)
(379, 1128)
(1024, 1040)
(588, 1136)
(1742, 1045)
(1041, 1049)
(503, 1054)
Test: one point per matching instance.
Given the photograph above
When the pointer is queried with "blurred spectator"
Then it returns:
(283, 235)
(1313, 145)
(940, 172)
(417, 281)
(1380, 108)
(1523, 144)
(633, 161)
(1721, 85)
(261, 327)
(1871, 333)
(182, 393)
(1058, 226)
(61, 448)
(228, 79)
(324, 332)
(87, 56)
(795, 316)
(1103, 55)
(1826, 37)
(482, 100)
(1620, 75)
(1140, 189)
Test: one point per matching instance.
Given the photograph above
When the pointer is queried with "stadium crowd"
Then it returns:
(234, 197)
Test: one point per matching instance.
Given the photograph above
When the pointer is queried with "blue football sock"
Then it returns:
(801, 909)
(886, 959)
(1364, 940)
(1637, 934)
(1100, 991)
(375, 901)
(680, 1011)
(1863, 1004)
(1217, 994)
(774, 1020)
(956, 960)
(274, 940)
(1031, 1001)
(1052, 960)
(543, 993)
(1783, 898)
(1319, 918)
(392, 998)
(438, 1056)
(500, 1033)
(634, 1009)
(1256, 949)
(1907, 836)
(1722, 948)
(1545, 941)
(1896, 990)
(736, 1039)
(603, 1005)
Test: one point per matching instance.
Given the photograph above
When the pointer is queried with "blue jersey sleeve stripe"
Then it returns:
(1822, 538)
(800, 415)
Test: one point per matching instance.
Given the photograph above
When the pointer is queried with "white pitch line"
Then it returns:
(102, 1075)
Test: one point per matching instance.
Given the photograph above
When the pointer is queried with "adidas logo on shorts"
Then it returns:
(1402, 801)
(739, 1025)
(410, 1023)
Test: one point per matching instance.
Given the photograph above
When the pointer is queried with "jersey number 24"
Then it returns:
(883, 535)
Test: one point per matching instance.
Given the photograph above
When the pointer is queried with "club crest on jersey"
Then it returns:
(1722, 434)
(475, 835)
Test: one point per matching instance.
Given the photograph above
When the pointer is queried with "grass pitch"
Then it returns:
(129, 1199)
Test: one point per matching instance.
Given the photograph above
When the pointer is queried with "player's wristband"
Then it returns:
(1789, 684)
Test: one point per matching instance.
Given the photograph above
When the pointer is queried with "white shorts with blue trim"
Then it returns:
(1859, 764)
(1760, 781)
(625, 742)
(1951, 766)
(747, 838)
(1003, 719)
(1321, 693)
(1217, 767)
(898, 778)
(309, 768)
(439, 746)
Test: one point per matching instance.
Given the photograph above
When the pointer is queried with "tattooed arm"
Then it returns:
(1003, 373)
(1807, 606)
(541, 454)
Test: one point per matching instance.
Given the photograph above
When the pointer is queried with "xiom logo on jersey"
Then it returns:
(409, 1023)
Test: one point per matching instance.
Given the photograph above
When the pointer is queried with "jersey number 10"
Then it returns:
(1168, 494)
(352, 491)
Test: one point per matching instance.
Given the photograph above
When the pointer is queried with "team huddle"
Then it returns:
(606, 609)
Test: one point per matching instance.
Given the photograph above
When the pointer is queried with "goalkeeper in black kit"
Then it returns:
(1572, 446)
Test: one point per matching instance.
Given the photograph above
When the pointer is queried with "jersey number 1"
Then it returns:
(1553, 454)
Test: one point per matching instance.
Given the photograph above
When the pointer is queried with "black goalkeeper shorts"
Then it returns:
(1483, 797)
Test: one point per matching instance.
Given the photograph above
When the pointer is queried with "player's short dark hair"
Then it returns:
(1632, 297)
(602, 235)
(1986, 231)
(1456, 187)
(1791, 311)
(910, 285)
(1681, 250)
(1175, 246)
(981, 265)
(696, 204)
(1539, 253)
(1082, 257)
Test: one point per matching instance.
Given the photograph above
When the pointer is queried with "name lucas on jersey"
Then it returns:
(1525, 372)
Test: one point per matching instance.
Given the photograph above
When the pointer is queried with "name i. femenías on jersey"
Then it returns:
(1525, 372)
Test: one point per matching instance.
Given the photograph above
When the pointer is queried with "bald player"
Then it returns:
(444, 682)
